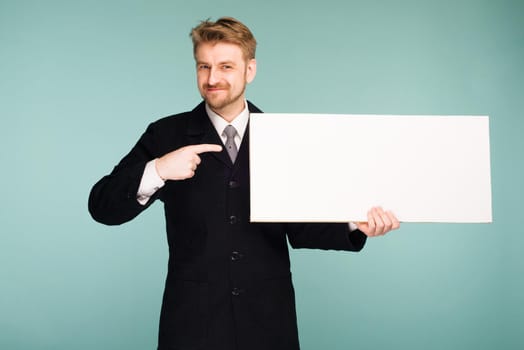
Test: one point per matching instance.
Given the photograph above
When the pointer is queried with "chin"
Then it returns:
(216, 104)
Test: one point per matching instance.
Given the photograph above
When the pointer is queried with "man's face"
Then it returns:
(222, 75)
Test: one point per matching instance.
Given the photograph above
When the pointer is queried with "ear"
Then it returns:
(251, 70)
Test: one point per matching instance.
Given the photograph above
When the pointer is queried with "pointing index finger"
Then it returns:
(206, 147)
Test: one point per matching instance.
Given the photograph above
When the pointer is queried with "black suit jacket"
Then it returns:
(229, 283)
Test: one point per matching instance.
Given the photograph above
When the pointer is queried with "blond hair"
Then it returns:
(228, 30)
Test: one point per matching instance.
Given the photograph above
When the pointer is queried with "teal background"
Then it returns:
(80, 81)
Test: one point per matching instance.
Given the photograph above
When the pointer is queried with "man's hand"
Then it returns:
(379, 222)
(182, 163)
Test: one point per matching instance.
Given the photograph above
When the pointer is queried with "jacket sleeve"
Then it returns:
(112, 200)
(333, 236)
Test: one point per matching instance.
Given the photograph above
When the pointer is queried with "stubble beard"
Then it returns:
(222, 103)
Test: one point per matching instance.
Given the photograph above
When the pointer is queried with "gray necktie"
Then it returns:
(231, 146)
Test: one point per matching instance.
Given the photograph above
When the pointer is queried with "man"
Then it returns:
(229, 282)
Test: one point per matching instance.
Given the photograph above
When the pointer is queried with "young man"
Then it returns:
(229, 282)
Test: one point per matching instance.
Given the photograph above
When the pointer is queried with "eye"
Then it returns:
(227, 67)
(203, 67)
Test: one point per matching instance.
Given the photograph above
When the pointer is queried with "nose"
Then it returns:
(213, 77)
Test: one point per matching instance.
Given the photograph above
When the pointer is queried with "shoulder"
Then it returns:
(172, 131)
(179, 119)
(252, 108)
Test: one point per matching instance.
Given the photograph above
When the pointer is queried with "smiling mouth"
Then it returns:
(214, 90)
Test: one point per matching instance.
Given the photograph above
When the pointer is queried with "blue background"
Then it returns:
(80, 80)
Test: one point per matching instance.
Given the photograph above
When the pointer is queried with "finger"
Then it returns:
(371, 223)
(378, 214)
(395, 224)
(205, 147)
(386, 219)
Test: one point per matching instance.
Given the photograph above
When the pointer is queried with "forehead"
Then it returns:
(218, 52)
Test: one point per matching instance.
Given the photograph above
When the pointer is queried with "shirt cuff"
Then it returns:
(352, 226)
(149, 184)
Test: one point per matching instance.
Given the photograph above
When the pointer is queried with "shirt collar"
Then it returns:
(239, 122)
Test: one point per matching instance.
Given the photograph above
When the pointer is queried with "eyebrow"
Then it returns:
(232, 63)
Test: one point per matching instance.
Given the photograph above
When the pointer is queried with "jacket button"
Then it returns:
(236, 291)
(233, 219)
(235, 256)
(233, 184)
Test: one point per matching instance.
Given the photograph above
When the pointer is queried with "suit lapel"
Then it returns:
(243, 152)
(201, 130)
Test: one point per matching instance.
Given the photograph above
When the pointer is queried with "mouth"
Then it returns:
(212, 89)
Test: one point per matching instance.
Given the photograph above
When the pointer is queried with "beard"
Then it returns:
(218, 103)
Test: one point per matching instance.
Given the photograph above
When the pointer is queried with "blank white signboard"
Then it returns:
(333, 168)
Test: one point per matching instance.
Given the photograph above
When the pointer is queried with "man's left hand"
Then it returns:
(379, 222)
